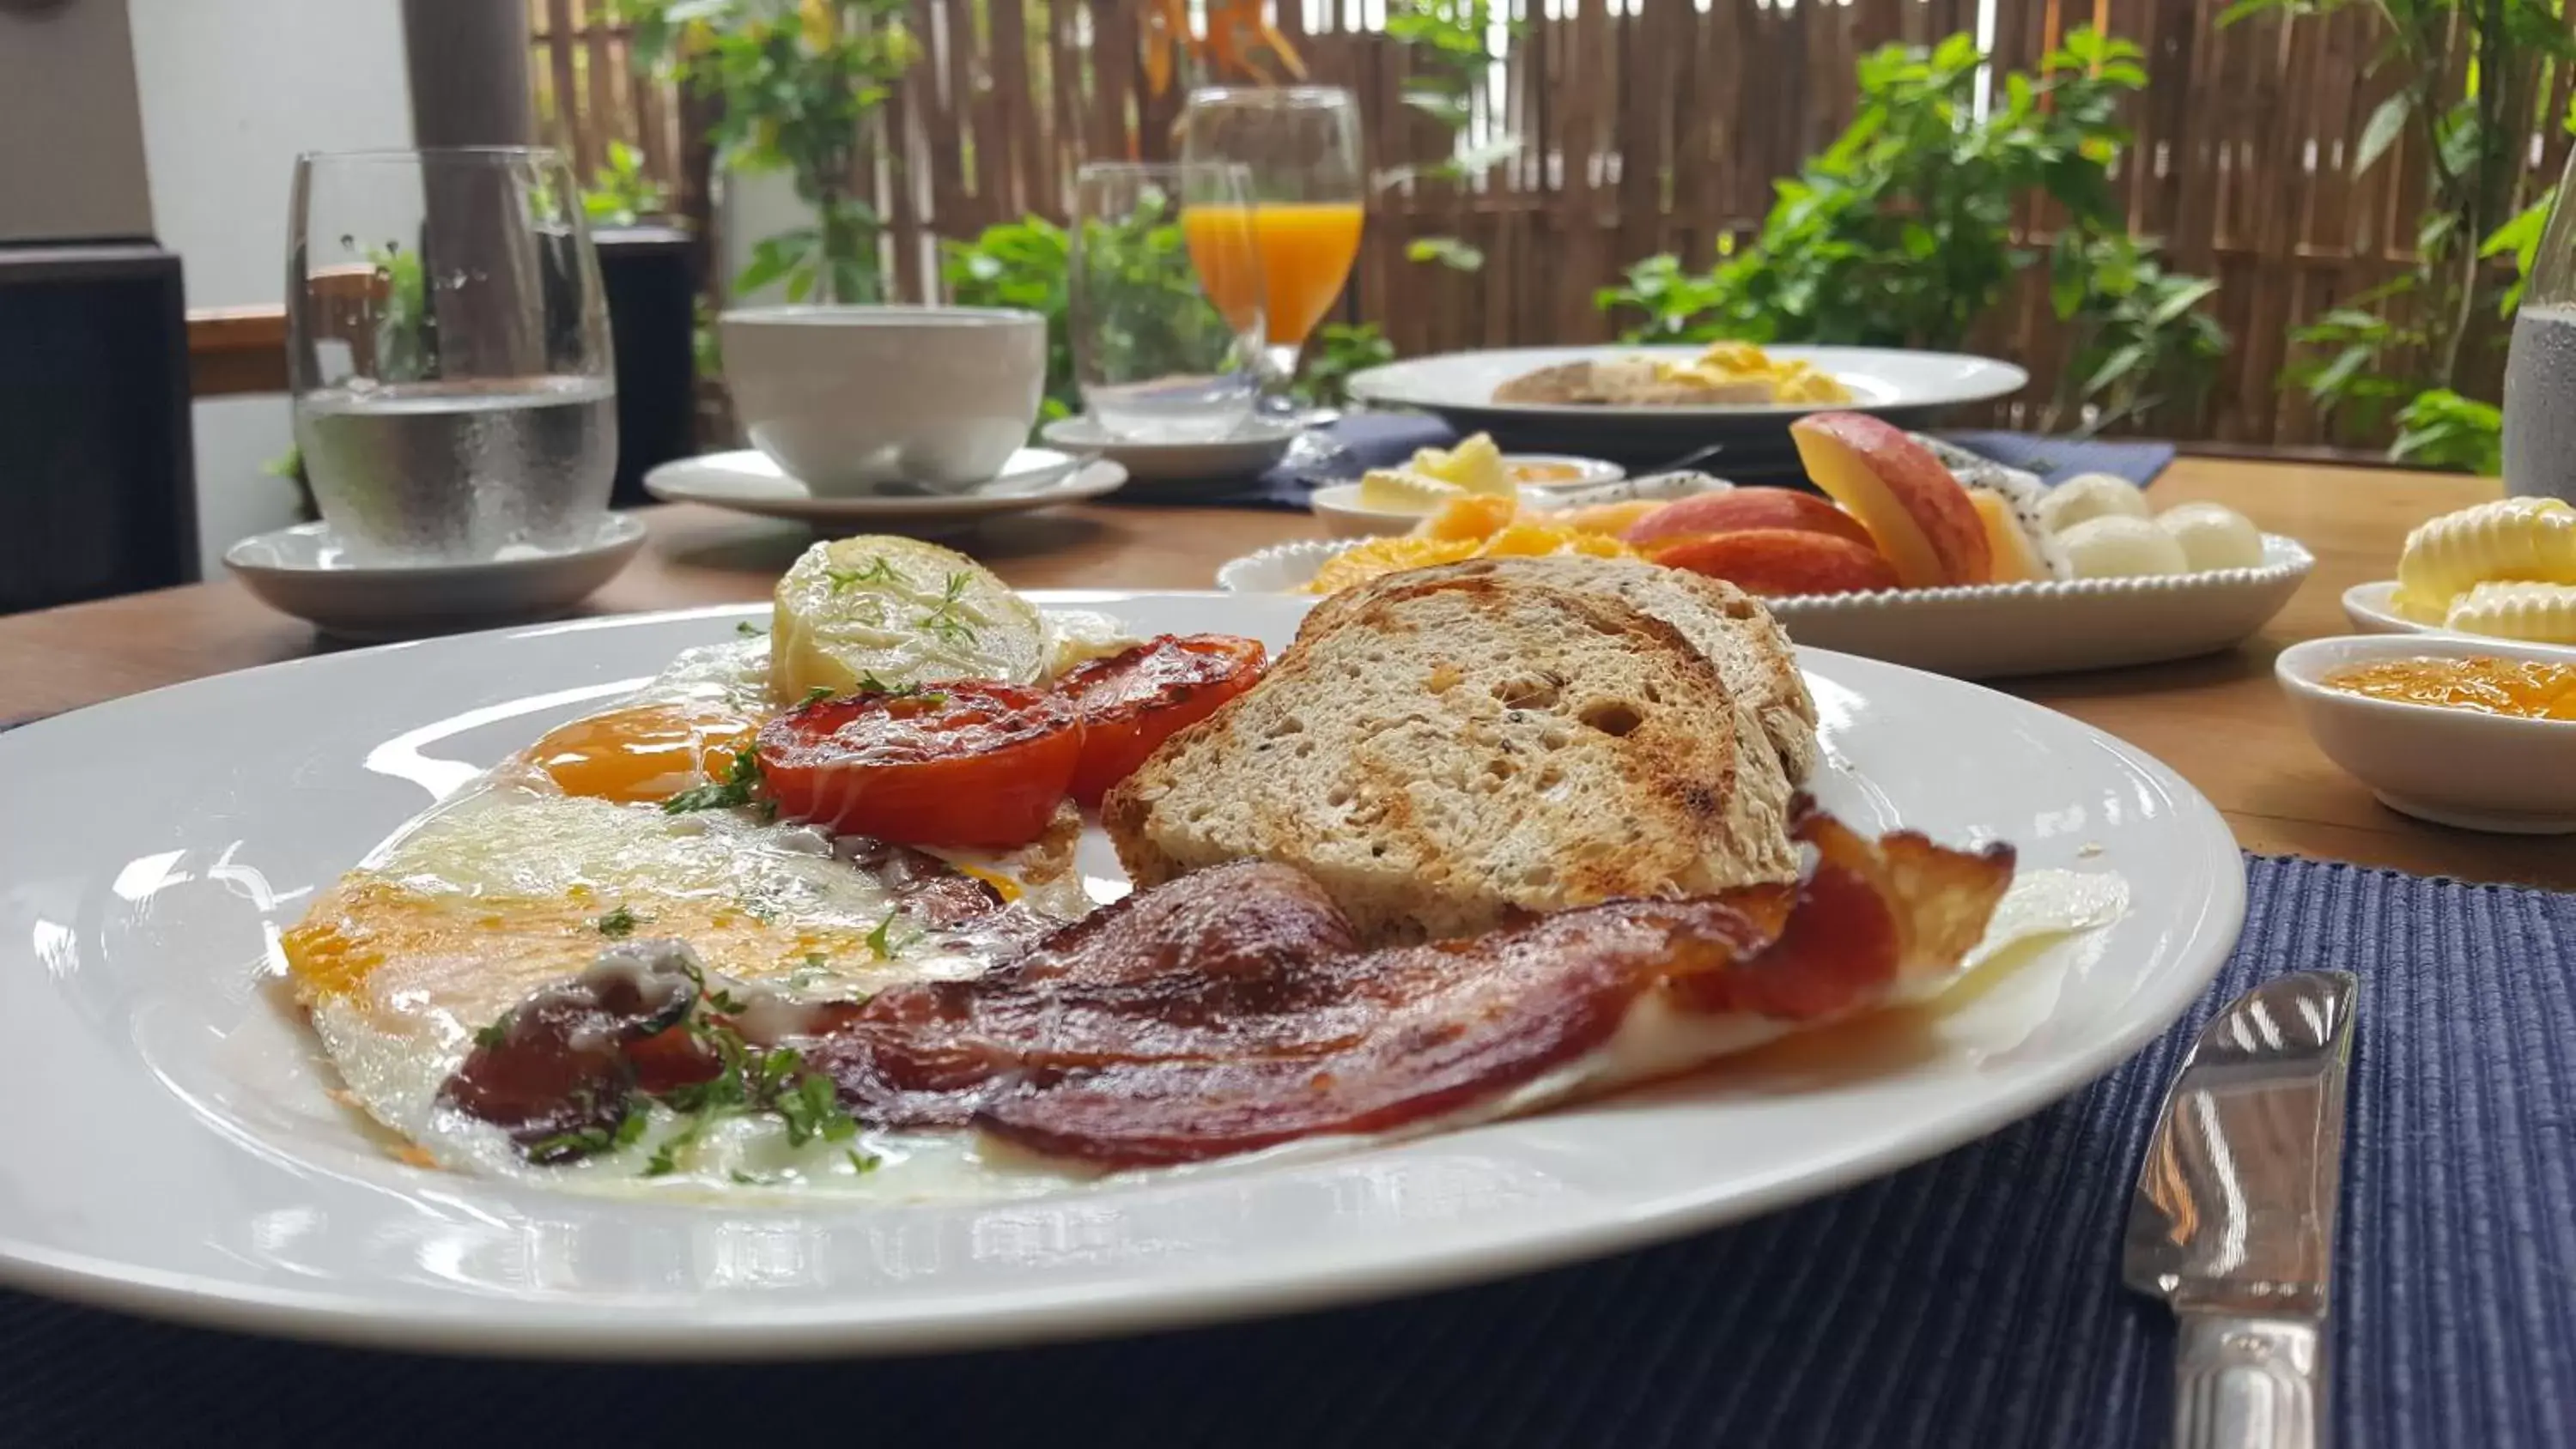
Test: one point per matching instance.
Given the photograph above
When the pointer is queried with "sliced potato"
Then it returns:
(899, 611)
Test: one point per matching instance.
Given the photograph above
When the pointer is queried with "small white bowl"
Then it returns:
(1587, 471)
(2450, 766)
(1338, 505)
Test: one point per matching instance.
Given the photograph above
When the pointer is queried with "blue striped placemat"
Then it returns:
(1971, 1301)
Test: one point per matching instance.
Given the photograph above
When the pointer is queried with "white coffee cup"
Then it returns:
(849, 398)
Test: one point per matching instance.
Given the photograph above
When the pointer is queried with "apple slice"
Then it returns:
(1740, 509)
(1777, 562)
(1917, 512)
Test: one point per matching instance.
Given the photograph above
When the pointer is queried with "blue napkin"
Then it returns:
(1381, 440)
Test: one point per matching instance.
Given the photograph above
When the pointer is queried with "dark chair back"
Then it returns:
(97, 473)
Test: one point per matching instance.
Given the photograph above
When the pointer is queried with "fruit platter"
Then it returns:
(1914, 552)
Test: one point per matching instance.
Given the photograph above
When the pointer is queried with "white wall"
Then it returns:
(78, 174)
(231, 90)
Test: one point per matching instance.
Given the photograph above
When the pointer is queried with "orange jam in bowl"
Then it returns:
(1543, 474)
(2485, 683)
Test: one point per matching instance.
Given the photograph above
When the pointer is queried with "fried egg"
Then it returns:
(522, 878)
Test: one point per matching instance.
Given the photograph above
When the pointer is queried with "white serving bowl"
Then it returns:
(846, 399)
(2450, 766)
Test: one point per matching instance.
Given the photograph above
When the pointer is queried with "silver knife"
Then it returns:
(2233, 1220)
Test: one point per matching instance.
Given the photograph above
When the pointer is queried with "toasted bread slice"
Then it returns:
(1730, 626)
(1456, 751)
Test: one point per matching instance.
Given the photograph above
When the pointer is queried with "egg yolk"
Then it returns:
(645, 754)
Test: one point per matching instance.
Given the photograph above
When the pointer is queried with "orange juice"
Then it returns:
(1306, 253)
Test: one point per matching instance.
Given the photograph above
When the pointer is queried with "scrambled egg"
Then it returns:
(1474, 526)
(1729, 363)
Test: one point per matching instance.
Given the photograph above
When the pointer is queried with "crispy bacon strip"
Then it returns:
(1866, 919)
(1233, 1009)
(556, 1067)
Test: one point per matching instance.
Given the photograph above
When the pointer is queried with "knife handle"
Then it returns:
(2248, 1383)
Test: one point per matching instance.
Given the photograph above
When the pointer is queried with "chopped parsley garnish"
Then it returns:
(944, 619)
(922, 692)
(816, 695)
(813, 1109)
(881, 940)
(496, 1032)
(864, 1163)
(748, 629)
(755, 1179)
(619, 922)
(567, 1146)
(878, 571)
(735, 789)
(750, 1079)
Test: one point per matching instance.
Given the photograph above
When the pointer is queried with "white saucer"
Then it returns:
(2371, 611)
(302, 571)
(1256, 444)
(746, 481)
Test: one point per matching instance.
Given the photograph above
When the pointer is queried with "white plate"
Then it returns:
(1989, 631)
(1256, 445)
(301, 571)
(1459, 387)
(2367, 606)
(172, 1147)
(2450, 766)
(746, 481)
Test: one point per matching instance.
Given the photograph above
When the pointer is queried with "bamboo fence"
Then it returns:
(1646, 126)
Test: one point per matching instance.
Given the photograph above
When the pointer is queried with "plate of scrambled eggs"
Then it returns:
(1641, 403)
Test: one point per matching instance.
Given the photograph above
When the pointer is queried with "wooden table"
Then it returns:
(2218, 720)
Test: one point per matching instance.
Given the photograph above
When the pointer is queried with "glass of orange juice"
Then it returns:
(1300, 145)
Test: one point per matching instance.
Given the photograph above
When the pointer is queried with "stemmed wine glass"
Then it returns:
(1300, 147)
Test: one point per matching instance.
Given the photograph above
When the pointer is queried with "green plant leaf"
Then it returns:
(2387, 122)
(2121, 362)
(1448, 251)
(2332, 379)
(774, 257)
(2181, 300)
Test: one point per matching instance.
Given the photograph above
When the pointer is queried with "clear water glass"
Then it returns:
(1166, 302)
(2540, 370)
(455, 394)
